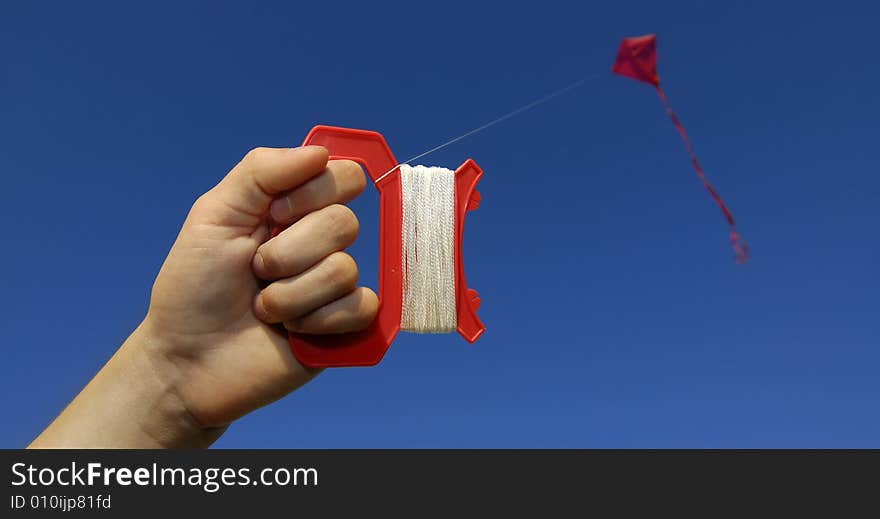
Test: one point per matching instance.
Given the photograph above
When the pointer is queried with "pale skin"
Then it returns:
(209, 349)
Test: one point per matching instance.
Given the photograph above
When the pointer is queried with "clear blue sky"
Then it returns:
(616, 316)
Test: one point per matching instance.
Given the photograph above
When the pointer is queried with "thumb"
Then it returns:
(243, 197)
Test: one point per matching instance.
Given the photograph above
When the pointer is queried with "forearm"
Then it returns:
(130, 403)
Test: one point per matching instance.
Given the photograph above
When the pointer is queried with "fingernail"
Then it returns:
(259, 264)
(259, 309)
(281, 209)
(307, 148)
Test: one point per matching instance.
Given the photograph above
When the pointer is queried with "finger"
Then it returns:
(264, 173)
(305, 243)
(291, 298)
(340, 182)
(351, 313)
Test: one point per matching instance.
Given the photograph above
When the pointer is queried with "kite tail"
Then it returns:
(740, 248)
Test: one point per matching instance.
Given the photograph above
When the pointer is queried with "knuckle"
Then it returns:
(201, 204)
(207, 206)
(365, 312)
(341, 270)
(351, 171)
(369, 304)
(361, 320)
(343, 222)
(255, 155)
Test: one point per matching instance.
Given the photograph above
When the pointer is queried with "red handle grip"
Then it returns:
(367, 347)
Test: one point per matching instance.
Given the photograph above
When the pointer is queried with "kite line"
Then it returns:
(510, 114)
(493, 122)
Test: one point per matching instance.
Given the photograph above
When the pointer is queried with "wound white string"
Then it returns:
(428, 241)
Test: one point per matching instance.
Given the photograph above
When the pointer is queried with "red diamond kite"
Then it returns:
(637, 59)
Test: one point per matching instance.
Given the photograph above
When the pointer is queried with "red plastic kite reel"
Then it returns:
(366, 348)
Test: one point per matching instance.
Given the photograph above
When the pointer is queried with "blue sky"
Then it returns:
(616, 316)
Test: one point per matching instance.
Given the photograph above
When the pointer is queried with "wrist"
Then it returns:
(165, 419)
(133, 402)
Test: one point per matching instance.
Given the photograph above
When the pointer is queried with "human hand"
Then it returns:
(207, 309)
(209, 349)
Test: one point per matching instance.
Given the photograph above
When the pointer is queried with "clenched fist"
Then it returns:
(210, 349)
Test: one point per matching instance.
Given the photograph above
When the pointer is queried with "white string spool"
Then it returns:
(428, 241)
